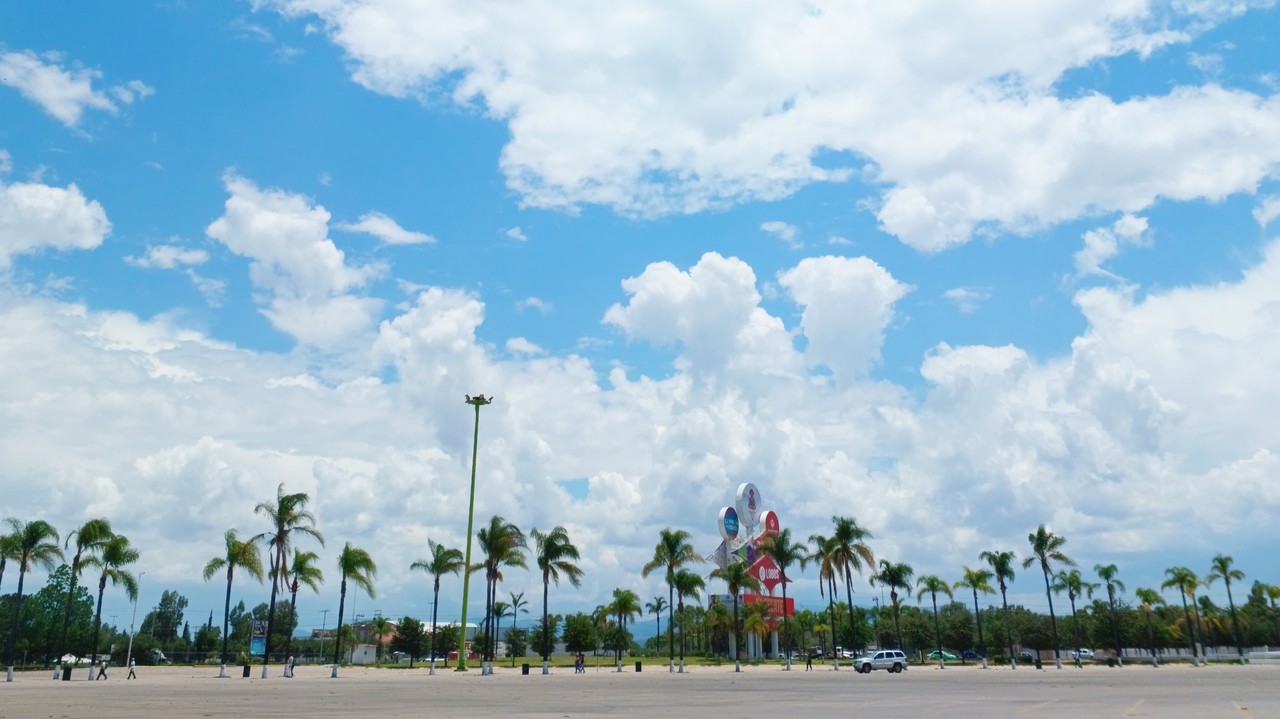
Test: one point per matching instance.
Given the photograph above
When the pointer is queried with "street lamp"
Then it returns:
(128, 659)
(478, 401)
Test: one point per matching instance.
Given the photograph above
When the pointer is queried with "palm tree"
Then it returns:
(755, 618)
(824, 553)
(1107, 573)
(1002, 566)
(380, 627)
(1046, 547)
(849, 553)
(354, 564)
(656, 608)
(717, 618)
(785, 553)
(626, 606)
(673, 551)
(89, 538)
(1208, 621)
(977, 580)
(738, 576)
(895, 577)
(1185, 581)
(518, 604)
(1222, 570)
(1273, 593)
(8, 547)
(1150, 598)
(1074, 585)
(304, 571)
(556, 556)
(289, 517)
(500, 611)
(933, 584)
(115, 556)
(502, 543)
(443, 561)
(689, 585)
(239, 554)
(32, 544)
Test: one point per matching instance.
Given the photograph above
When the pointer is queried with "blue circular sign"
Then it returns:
(729, 523)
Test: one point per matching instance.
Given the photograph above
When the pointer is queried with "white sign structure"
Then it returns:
(750, 506)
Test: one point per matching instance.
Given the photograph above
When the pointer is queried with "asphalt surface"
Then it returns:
(713, 692)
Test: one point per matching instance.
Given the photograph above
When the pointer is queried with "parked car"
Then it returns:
(970, 654)
(891, 660)
(945, 655)
(1082, 654)
(1026, 655)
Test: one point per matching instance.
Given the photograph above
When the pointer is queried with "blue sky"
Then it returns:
(954, 272)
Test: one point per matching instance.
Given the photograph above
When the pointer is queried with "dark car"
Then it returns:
(970, 654)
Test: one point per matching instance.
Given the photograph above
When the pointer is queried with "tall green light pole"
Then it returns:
(478, 401)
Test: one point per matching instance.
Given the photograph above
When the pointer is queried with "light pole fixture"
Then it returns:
(478, 401)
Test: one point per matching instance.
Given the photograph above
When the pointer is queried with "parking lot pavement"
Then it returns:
(762, 691)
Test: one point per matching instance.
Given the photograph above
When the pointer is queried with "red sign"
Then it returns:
(770, 521)
(766, 570)
(775, 607)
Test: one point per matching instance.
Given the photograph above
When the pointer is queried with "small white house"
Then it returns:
(364, 654)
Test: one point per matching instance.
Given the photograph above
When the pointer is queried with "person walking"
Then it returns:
(288, 667)
(102, 669)
(133, 674)
(808, 661)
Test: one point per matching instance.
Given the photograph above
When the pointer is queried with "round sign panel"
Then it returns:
(728, 523)
(770, 521)
(749, 504)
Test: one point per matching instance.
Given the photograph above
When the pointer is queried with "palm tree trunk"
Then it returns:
(1115, 626)
(682, 619)
(737, 629)
(1235, 624)
(66, 612)
(1008, 628)
(786, 634)
(226, 621)
(544, 640)
(831, 610)
(1075, 626)
(293, 611)
(848, 590)
(271, 611)
(1195, 655)
(97, 624)
(431, 638)
(493, 597)
(671, 627)
(337, 644)
(937, 629)
(1053, 621)
(13, 628)
(977, 616)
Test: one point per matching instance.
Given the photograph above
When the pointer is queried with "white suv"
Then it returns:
(889, 659)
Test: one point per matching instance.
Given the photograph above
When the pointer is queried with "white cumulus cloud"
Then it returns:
(309, 285)
(386, 229)
(64, 93)
(963, 134)
(34, 216)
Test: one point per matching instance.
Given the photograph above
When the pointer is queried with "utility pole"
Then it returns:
(323, 621)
